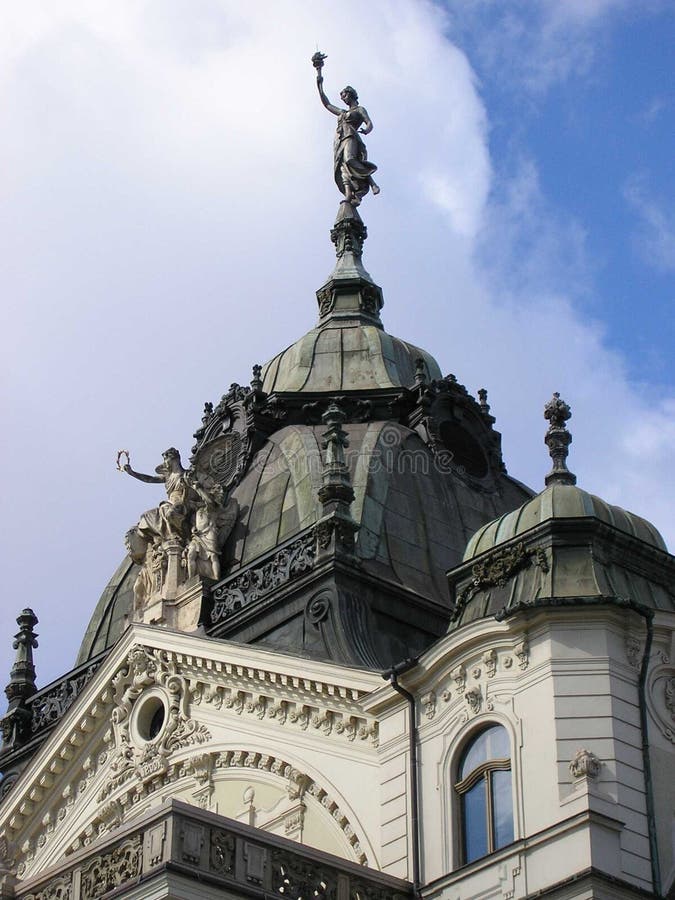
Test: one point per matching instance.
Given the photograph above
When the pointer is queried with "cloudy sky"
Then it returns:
(166, 197)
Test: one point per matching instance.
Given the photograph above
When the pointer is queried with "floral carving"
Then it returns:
(633, 650)
(670, 696)
(499, 566)
(326, 299)
(292, 876)
(246, 587)
(522, 653)
(458, 675)
(490, 663)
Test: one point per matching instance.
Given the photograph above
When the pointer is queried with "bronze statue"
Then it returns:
(353, 172)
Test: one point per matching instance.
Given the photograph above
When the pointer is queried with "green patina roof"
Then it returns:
(346, 357)
(560, 501)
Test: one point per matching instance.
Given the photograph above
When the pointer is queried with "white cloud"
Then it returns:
(655, 234)
(166, 225)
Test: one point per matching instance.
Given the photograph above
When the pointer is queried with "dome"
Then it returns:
(346, 357)
(353, 442)
(414, 518)
(112, 613)
(560, 501)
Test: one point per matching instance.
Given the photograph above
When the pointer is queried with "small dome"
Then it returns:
(346, 357)
(560, 501)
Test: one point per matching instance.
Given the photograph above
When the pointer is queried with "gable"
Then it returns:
(266, 745)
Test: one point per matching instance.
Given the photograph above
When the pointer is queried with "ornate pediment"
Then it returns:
(159, 723)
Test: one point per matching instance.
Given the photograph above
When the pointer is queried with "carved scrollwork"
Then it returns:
(246, 587)
(222, 852)
(59, 889)
(48, 708)
(661, 699)
(318, 608)
(499, 566)
(110, 870)
(145, 669)
(294, 877)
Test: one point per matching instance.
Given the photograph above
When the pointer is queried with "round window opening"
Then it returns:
(151, 717)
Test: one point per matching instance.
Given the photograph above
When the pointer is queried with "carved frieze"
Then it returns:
(247, 587)
(294, 877)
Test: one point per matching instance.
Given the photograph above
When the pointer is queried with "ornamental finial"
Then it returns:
(15, 725)
(558, 439)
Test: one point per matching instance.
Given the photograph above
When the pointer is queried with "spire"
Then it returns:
(336, 528)
(21, 681)
(350, 292)
(558, 439)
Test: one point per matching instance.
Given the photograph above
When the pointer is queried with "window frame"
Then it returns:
(482, 772)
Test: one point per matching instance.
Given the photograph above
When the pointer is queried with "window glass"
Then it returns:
(502, 809)
(493, 743)
(475, 817)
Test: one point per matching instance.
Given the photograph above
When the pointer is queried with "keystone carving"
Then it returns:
(474, 699)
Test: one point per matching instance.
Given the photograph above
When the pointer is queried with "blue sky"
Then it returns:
(602, 138)
(166, 197)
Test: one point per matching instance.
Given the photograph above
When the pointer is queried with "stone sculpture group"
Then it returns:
(192, 524)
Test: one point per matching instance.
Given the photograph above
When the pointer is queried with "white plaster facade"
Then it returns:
(320, 753)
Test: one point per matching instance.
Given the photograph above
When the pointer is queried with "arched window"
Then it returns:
(484, 789)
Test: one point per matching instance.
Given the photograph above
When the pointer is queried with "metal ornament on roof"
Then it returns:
(558, 440)
(352, 170)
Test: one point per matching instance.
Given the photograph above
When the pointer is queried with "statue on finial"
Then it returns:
(353, 172)
(558, 439)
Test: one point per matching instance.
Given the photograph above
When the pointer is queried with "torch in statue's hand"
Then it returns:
(317, 62)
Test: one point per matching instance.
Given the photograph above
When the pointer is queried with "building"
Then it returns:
(351, 657)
